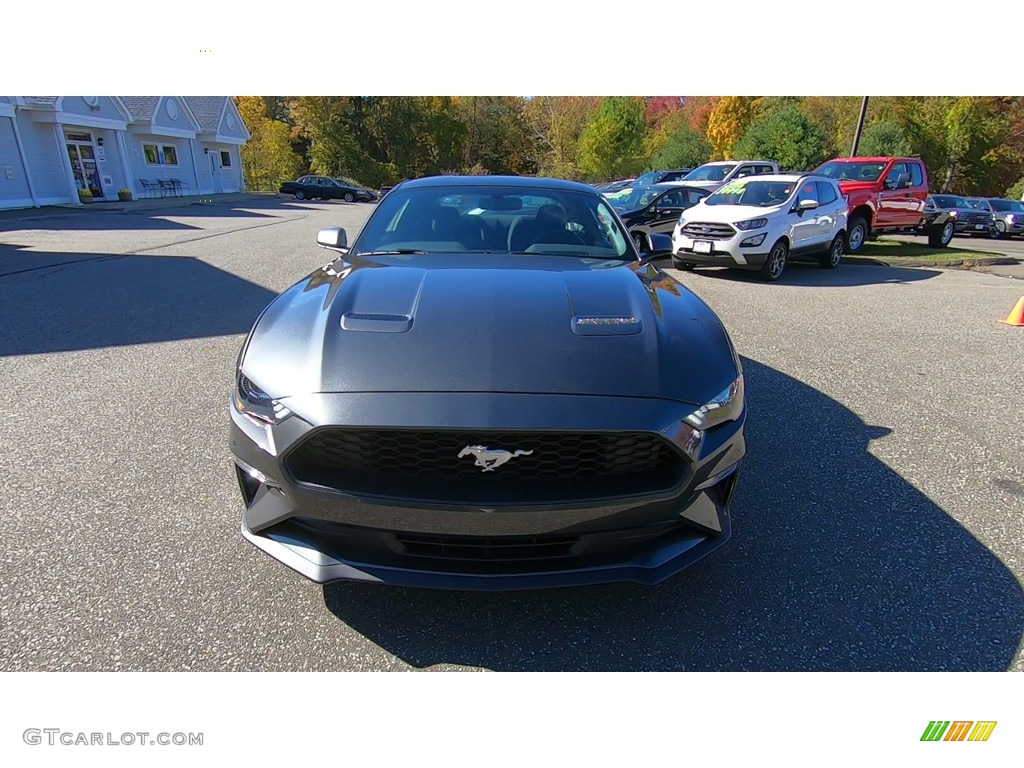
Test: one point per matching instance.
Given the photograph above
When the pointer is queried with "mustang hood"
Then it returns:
(491, 323)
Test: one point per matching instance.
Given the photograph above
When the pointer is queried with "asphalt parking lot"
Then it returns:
(879, 523)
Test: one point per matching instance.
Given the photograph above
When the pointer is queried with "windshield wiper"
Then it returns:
(398, 252)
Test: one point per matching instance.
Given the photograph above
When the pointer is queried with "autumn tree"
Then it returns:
(268, 157)
(728, 122)
(612, 142)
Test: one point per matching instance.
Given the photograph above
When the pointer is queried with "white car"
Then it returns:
(761, 222)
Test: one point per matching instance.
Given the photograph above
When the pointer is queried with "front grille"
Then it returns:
(708, 231)
(551, 467)
(977, 218)
(497, 549)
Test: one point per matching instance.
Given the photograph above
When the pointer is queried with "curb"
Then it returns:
(953, 263)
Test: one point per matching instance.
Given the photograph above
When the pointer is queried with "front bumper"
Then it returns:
(724, 253)
(327, 535)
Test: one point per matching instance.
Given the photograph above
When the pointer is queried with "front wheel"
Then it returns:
(775, 264)
(857, 235)
(349, 197)
(1000, 230)
(940, 235)
(831, 259)
(300, 195)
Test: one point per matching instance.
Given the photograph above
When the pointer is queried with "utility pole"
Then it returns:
(860, 126)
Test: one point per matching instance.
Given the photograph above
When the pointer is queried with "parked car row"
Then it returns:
(326, 188)
(748, 215)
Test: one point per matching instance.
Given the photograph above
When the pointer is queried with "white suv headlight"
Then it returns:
(746, 226)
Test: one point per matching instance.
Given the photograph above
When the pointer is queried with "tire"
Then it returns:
(939, 236)
(349, 197)
(831, 258)
(857, 235)
(640, 241)
(1000, 230)
(775, 264)
(300, 195)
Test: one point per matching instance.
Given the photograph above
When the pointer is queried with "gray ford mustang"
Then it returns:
(490, 388)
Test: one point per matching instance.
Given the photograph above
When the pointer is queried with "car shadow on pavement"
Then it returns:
(813, 276)
(87, 301)
(836, 563)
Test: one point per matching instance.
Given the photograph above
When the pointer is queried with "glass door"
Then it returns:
(83, 162)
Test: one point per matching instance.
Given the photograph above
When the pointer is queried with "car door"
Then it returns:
(804, 227)
(829, 217)
(896, 206)
(666, 210)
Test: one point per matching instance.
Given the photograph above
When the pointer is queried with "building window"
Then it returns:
(157, 155)
(225, 159)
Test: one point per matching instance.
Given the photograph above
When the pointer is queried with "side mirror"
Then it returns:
(806, 205)
(333, 238)
(655, 244)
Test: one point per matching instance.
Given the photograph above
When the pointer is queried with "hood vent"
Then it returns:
(606, 326)
(380, 323)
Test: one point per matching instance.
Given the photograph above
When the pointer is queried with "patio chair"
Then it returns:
(150, 188)
(167, 188)
(181, 187)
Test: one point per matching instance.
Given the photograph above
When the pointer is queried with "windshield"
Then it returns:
(753, 192)
(851, 171)
(709, 172)
(950, 201)
(451, 218)
(975, 203)
(651, 177)
(1004, 206)
(632, 198)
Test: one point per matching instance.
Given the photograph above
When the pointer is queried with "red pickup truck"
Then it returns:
(887, 195)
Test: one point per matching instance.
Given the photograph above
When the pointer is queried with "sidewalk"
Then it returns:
(134, 206)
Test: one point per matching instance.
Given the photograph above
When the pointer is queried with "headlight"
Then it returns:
(257, 404)
(724, 407)
(752, 224)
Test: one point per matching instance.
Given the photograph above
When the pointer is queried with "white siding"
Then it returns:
(14, 192)
(142, 170)
(44, 158)
(75, 105)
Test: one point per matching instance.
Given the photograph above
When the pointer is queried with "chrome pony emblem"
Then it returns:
(489, 459)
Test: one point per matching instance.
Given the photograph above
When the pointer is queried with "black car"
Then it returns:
(969, 220)
(326, 188)
(655, 208)
(490, 388)
(659, 177)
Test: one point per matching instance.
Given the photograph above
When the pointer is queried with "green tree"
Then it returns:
(785, 135)
(677, 145)
(1016, 192)
(884, 138)
(612, 142)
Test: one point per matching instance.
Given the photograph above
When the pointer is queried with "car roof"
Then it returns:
(786, 177)
(866, 159)
(512, 182)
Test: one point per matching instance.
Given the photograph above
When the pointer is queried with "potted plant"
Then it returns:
(85, 195)
(124, 195)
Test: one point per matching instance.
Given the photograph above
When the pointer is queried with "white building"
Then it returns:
(53, 146)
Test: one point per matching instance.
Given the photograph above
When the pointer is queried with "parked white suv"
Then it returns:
(761, 222)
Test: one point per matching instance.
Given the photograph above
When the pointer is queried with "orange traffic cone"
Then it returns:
(1016, 317)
